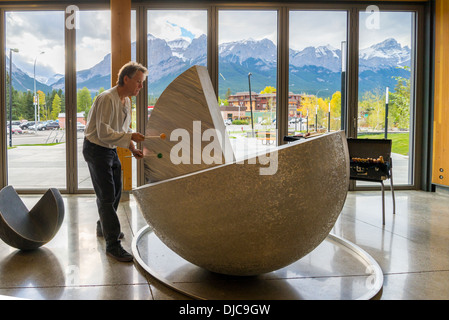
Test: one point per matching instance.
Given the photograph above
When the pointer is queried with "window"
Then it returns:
(386, 73)
(35, 68)
(384, 54)
(177, 40)
(93, 64)
(247, 48)
(316, 72)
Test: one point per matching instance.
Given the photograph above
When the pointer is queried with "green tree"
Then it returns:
(84, 100)
(55, 107)
(42, 106)
(336, 111)
(62, 96)
(228, 93)
(399, 106)
(223, 102)
(24, 105)
(372, 110)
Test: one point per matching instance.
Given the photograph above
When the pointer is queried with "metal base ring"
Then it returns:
(336, 269)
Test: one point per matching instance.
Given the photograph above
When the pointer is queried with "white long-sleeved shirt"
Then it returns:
(108, 121)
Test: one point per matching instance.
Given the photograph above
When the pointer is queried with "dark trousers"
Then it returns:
(105, 171)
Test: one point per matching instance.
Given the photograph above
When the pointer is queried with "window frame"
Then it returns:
(421, 134)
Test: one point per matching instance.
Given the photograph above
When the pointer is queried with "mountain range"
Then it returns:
(310, 69)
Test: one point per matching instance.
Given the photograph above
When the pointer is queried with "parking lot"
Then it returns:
(28, 137)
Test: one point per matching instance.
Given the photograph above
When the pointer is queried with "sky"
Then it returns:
(309, 28)
(174, 24)
(34, 32)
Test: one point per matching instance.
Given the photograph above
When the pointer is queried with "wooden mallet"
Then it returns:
(161, 136)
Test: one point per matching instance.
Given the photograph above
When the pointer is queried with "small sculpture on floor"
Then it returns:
(29, 229)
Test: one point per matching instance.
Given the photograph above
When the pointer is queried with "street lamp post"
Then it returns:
(11, 50)
(250, 104)
(307, 121)
(343, 86)
(386, 112)
(36, 98)
(316, 112)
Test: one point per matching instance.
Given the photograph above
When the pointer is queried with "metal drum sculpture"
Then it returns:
(247, 217)
(27, 230)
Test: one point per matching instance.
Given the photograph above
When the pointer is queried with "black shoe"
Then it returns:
(120, 254)
(100, 232)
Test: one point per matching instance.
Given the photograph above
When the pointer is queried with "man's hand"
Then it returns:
(137, 137)
(138, 154)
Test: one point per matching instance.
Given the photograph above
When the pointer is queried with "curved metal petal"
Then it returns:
(27, 230)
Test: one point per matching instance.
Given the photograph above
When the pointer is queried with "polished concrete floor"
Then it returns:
(412, 250)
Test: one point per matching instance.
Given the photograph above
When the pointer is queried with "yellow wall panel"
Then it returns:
(440, 161)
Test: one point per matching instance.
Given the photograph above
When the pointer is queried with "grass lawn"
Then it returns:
(400, 141)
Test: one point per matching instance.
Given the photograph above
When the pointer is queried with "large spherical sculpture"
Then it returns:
(238, 219)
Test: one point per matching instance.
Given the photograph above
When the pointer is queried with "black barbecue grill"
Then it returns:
(370, 160)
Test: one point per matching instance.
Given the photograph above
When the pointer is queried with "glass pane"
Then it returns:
(385, 73)
(93, 74)
(36, 142)
(177, 40)
(316, 71)
(133, 112)
(247, 78)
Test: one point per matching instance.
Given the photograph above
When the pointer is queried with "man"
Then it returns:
(107, 128)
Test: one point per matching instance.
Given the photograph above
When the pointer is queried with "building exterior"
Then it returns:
(261, 102)
(79, 118)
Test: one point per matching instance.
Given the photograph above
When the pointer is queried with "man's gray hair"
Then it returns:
(130, 69)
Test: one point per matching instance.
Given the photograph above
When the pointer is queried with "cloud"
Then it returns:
(33, 32)
(397, 25)
(93, 38)
(234, 25)
(317, 28)
(173, 24)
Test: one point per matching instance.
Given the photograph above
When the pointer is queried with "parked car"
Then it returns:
(26, 125)
(51, 125)
(14, 123)
(228, 122)
(41, 125)
(15, 129)
(80, 126)
(295, 120)
(34, 126)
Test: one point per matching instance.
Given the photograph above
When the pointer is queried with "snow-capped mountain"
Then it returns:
(178, 47)
(53, 79)
(324, 56)
(309, 68)
(384, 54)
(240, 51)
